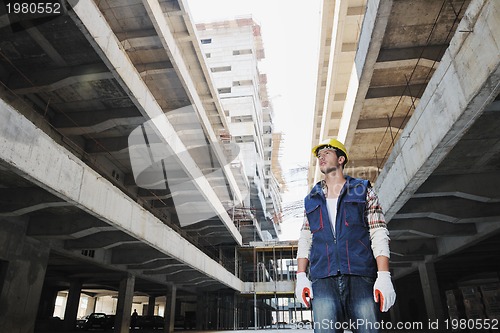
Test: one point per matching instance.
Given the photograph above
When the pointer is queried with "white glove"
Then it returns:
(384, 291)
(303, 289)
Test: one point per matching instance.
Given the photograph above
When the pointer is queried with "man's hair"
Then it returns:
(341, 153)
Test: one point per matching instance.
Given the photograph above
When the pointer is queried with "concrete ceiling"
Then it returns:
(442, 187)
(411, 38)
(456, 208)
(90, 78)
(421, 118)
(449, 207)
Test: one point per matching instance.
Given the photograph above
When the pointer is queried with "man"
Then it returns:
(133, 319)
(345, 242)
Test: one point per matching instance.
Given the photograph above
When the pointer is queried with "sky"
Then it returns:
(290, 33)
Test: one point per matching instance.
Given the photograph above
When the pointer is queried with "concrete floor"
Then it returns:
(290, 330)
(255, 331)
(280, 330)
(269, 330)
(287, 329)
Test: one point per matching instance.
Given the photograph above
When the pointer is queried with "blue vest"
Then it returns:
(349, 250)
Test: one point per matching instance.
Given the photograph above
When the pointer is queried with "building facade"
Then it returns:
(232, 50)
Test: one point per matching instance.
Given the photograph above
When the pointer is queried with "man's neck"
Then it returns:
(334, 182)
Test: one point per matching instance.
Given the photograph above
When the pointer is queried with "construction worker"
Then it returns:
(345, 242)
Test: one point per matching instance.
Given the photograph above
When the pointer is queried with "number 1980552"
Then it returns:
(34, 8)
(471, 324)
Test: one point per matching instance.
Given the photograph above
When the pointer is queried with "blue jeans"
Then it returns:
(344, 302)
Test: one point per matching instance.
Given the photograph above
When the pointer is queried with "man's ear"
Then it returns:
(341, 160)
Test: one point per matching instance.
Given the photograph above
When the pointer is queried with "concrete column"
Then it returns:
(395, 313)
(23, 263)
(236, 270)
(235, 314)
(71, 310)
(151, 306)
(229, 310)
(47, 303)
(124, 305)
(430, 289)
(201, 312)
(170, 309)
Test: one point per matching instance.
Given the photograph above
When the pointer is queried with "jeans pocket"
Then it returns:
(367, 279)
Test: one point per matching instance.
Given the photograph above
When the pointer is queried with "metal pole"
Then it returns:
(255, 288)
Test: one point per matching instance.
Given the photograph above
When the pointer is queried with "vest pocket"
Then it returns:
(315, 219)
(354, 213)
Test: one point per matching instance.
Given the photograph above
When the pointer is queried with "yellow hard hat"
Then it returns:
(333, 143)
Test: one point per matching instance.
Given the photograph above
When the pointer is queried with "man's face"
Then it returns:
(328, 160)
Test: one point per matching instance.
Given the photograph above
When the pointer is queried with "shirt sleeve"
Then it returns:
(305, 240)
(374, 214)
(379, 235)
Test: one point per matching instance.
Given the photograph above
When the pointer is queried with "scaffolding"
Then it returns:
(274, 272)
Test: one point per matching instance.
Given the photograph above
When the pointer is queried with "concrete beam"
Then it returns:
(65, 227)
(29, 152)
(454, 244)
(102, 240)
(160, 263)
(24, 200)
(153, 66)
(155, 69)
(448, 218)
(412, 90)
(136, 34)
(107, 45)
(133, 256)
(456, 207)
(395, 258)
(337, 33)
(481, 187)
(94, 121)
(47, 47)
(408, 65)
(169, 271)
(164, 269)
(432, 228)
(46, 81)
(107, 145)
(198, 229)
(370, 40)
(142, 43)
(265, 288)
(395, 122)
(430, 52)
(164, 30)
(414, 247)
(466, 81)
(356, 11)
